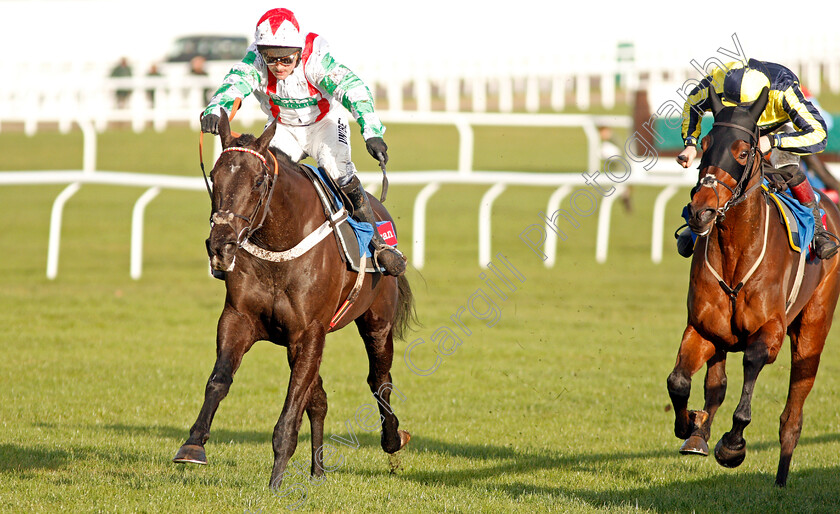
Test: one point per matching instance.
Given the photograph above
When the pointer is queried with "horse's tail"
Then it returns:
(406, 316)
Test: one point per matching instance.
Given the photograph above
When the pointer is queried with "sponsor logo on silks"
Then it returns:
(291, 103)
(386, 230)
(342, 133)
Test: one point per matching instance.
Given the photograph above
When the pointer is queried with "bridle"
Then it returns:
(224, 217)
(738, 195)
(738, 192)
(219, 217)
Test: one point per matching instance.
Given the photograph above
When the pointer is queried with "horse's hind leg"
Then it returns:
(807, 339)
(379, 344)
(761, 349)
(233, 340)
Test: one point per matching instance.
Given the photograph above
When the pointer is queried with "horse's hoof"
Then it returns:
(695, 445)
(405, 437)
(728, 457)
(192, 454)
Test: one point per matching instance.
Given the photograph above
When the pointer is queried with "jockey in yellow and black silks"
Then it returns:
(790, 126)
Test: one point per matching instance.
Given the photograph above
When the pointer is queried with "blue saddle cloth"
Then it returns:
(798, 219)
(801, 228)
(363, 231)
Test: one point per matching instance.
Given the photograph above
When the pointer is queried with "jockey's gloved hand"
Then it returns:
(377, 146)
(210, 123)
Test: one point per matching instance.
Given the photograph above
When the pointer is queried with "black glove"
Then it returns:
(210, 123)
(376, 146)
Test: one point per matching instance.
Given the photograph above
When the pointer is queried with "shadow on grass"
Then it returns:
(809, 490)
(181, 433)
(21, 459)
(613, 480)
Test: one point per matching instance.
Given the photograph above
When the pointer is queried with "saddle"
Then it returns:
(353, 237)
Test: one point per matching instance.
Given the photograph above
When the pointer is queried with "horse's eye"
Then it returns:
(258, 184)
(744, 154)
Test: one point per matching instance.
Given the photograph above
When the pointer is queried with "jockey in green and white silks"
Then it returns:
(297, 81)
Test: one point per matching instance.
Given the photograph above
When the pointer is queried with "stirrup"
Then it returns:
(397, 266)
(823, 245)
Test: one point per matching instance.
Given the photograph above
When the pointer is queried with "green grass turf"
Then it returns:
(560, 405)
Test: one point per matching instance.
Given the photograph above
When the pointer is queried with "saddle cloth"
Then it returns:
(797, 219)
(351, 235)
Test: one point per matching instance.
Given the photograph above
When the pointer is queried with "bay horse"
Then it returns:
(292, 302)
(745, 292)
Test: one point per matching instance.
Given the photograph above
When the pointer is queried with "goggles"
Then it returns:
(286, 60)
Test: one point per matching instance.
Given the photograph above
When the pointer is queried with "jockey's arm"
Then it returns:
(242, 79)
(811, 134)
(696, 104)
(341, 83)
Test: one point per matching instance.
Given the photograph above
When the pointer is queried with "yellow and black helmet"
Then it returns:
(743, 85)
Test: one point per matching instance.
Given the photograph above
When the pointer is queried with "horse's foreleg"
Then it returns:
(379, 345)
(714, 390)
(694, 351)
(316, 410)
(762, 348)
(305, 354)
(233, 339)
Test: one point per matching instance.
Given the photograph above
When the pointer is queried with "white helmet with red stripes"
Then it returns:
(278, 27)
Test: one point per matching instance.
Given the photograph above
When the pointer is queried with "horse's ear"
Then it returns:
(758, 106)
(267, 136)
(717, 105)
(224, 130)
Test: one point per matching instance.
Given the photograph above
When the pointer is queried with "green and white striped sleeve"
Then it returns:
(240, 82)
(346, 87)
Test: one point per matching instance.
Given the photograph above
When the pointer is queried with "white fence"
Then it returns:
(33, 93)
(431, 180)
(665, 174)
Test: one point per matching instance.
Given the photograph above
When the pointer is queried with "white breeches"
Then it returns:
(327, 141)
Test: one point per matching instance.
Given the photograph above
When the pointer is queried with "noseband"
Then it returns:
(226, 217)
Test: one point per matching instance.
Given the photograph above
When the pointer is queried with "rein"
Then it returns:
(237, 102)
(732, 292)
(738, 196)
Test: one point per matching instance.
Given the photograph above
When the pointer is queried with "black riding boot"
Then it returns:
(685, 245)
(824, 245)
(384, 255)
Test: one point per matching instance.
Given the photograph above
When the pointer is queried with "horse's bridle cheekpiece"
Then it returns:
(723, 159)
(226, 217)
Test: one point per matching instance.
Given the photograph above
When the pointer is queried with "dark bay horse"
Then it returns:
(260, 197)
(746, 291)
